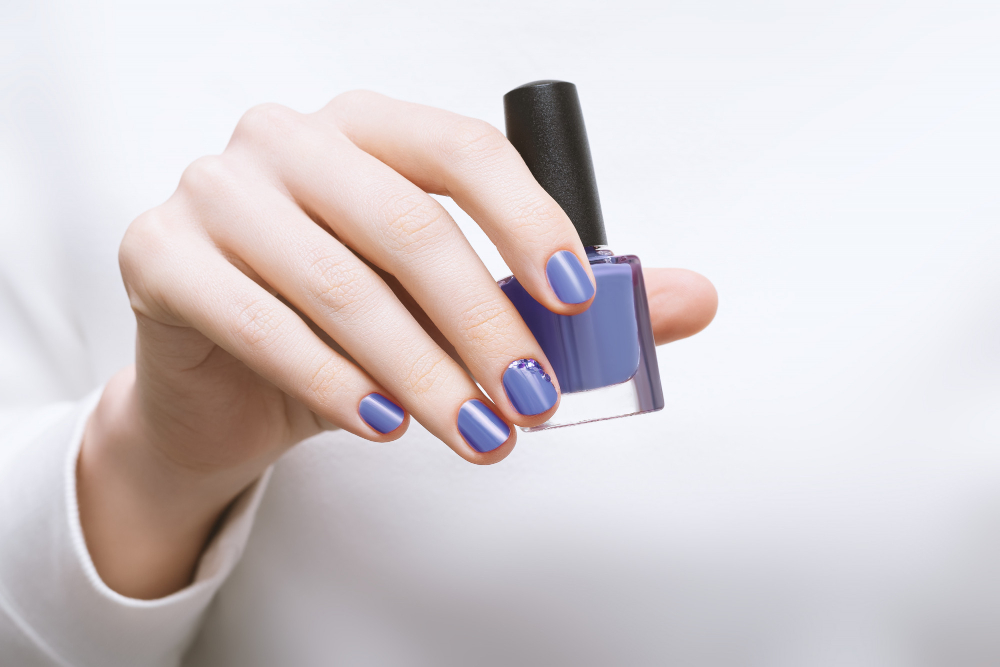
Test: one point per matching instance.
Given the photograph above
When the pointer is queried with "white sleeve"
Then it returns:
(54, 608)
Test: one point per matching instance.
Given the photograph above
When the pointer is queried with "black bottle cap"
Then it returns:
(545, 125)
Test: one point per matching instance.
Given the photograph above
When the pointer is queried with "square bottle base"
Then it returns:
(619, 400)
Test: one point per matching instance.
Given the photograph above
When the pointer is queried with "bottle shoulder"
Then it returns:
(597, 256)
(605, 255)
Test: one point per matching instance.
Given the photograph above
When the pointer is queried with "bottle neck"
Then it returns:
(598, 251)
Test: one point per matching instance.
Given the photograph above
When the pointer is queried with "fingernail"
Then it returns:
(568, 278)
(529, 389)
(480, 427)
(380, 413)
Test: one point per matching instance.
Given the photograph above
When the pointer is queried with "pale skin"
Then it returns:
(301, 270)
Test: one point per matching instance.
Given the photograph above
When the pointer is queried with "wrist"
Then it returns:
(146, 518)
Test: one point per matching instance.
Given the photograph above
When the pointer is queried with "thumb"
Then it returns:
(681, 303)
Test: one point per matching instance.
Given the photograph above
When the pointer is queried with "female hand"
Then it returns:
(306, 279)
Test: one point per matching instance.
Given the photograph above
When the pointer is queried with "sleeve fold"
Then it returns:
(54, 608)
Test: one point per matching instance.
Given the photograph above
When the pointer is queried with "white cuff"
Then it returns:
(49, 589)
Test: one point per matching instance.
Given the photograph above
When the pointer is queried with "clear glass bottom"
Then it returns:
(619, 400)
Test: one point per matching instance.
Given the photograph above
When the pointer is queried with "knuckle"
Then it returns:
(536, 218)
(257, 325)
(206, 178)
(347, 107)
(141, 238)
(486, 322)
(412, 221)
(146, 241)
(473, 139)
(266, 124)
(339, 287)
(351, 98)
(327, 380)
(427, 372)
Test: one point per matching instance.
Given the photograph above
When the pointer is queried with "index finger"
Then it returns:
(473, 163)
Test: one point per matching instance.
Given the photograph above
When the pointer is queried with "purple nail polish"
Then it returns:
(528, 387)
(605, 357)
(380, 413)
(567, 278)
(480, 426)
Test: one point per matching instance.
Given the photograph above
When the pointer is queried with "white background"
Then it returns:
(823, 486)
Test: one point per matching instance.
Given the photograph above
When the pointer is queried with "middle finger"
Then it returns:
(404, 231)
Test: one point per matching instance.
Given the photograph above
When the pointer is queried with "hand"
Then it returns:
(301, 271)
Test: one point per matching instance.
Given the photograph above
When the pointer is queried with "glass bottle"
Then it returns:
(605, 357)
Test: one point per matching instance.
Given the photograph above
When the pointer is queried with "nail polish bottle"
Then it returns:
(605, 357)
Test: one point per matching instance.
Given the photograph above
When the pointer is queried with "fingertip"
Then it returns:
(487, 437)
(681, 303)
(398, 432)
(495, 456)
(704, 299)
